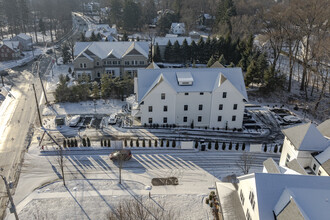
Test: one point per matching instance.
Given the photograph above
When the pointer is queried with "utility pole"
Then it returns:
(13, 208)
(42, 85)
(35, 95)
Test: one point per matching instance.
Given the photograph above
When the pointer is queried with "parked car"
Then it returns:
(291, 119)
(124, 153)
(74, 121)
(113, 119)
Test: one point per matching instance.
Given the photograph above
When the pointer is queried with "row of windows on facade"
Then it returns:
(185, 119)
(133, 62)
(185, 107)
(3, 50)
(110, 73)
(252, 202)
(224, 95)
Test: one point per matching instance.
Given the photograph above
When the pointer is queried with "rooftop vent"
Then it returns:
(184, 78)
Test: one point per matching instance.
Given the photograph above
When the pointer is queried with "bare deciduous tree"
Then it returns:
(245, 162)
(134, 209)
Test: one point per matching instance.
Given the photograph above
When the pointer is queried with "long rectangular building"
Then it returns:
(203, 97)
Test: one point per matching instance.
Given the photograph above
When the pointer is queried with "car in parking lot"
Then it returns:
(291, 119)
(124, 154)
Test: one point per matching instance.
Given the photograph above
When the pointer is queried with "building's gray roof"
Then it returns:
(324, 128)
(205, 79)
(306, 137)
(290, 212)
(118, 49)
(24, 36)
(294, 165)
(162, 41)
(311, 193)
(153, 65)
(326, 166)
(229, 201)
(12, 44)
(271, 166)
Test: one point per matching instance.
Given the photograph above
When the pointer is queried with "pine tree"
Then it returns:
(216, 146)
(93, 37)
(185, 49)
(131, 143)
(82, 37)
(88, 142)
(223, 146)
(125, 37)
(173, 143)
(162, 143)
(168, 52)
(177, 56)
(251, 74)
(143, 143)
(156, 143)
(222, 60)
(96, 90)
(137, 142)
(156, 55)
(66, 54)
(150, 143)
(64, 143)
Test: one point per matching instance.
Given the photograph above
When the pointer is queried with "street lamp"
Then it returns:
(12, 209)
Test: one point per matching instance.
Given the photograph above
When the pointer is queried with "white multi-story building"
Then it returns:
(204, 97)
(307, 148)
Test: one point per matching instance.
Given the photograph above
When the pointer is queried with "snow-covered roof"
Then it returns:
(11, 44)
(306, 137)
(229, 200)
(24, 36)
(162, 41)
(177, 25)
(271, 166)
(324, 128)
(118, 49)
(324, 156)
(295, 165)
(205, 79)
(311, 194)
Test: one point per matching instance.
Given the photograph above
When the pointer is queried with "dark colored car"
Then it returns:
(125, 154)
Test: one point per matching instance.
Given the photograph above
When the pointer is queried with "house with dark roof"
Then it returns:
(202, 97)
(113, 58)
(305, 148)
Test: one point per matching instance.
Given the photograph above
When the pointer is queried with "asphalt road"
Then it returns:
(19, 129)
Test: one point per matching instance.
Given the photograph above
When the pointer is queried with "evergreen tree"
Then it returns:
(66, 54)
(131, 15)
(82, 37)
(162, 143)
(193, 51)
(137, 142)
(216, 146)
(200, 53)
(168, 52)
(116, 11)
(96, 90)
(186, 55)
(105, 86)
(125, 37)
(251, 74)
(88, 142)
(42, 28)
(156, 143)
(173, 143)
(93, 37)
(177, 57)
(156, 56)
(131, 143)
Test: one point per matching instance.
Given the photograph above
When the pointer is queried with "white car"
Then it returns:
(291, 119)
(74, 121)
(113, 119)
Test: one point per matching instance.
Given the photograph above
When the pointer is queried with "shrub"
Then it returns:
(205, 127)
(196, 144)
(265, 148)
(75, 143)
(243, 147)
(210, 197)
(230, 146)
(207, 200)
(281, 148)
(84, 142)
(125, 143)
(192, 125)
(162, 143)
(218, 128)
(101, 142)
(131, 143)
(216, 146)
(223, 146)
(173, 143)
(64, 143)
(237, 146)
(240, 129)
(143, 143)
(167, 143)
(212, 193)
(88, 142)
(275, 148)
(109, 143)
(213, 128)
(210, 145)
(156, 143)
(145, 125)
(137, 142)
(211, 204)
(234, 129)
(149, 142)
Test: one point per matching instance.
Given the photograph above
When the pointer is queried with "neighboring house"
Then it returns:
(107, 33)
(163, 41)
(305, 148)
(178, 28)
(25, 40)
(275, 196)
(10, 50)
(204, 97)
(113, 58)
